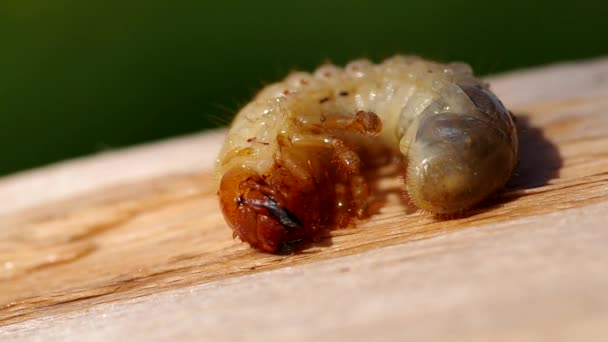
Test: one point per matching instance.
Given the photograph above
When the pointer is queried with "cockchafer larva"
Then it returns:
(291, 163)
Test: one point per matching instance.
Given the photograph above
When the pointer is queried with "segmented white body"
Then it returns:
(397, 90)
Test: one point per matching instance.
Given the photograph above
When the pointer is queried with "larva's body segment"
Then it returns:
(291, 164)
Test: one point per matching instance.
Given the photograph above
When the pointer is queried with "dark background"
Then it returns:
(78, 77)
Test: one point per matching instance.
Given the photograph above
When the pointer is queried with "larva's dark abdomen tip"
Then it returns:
(457, 161)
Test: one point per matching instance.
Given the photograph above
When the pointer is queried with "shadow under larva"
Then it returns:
(539, 159)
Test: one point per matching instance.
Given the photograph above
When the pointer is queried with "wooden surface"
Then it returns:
(139, 232)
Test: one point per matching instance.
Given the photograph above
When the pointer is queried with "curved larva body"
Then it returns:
(290, 166)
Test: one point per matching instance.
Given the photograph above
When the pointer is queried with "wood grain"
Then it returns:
(145, 221)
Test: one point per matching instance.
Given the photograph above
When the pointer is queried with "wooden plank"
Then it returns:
(133, 223)
(529, 279)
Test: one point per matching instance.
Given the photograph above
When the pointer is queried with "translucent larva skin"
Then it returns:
(291, 164)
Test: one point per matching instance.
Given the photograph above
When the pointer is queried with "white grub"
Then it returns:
(457, 139)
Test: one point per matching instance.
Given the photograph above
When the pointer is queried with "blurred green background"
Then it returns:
(78, 77)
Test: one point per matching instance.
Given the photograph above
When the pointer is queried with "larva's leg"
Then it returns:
(295, 168)
(343, 156)
(351, 199)
(364, 123)
(360, 195)
(351, 190)
(342, 209)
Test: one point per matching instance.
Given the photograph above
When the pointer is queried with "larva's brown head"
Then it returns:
(254, 211)
(457, 160)
(276, 211)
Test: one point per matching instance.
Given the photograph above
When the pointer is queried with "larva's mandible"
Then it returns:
(291, 164)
